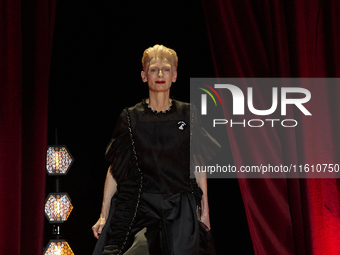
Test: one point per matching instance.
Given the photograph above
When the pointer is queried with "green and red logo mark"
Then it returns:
(204, 97)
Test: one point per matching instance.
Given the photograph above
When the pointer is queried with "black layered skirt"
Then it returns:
(165, 224)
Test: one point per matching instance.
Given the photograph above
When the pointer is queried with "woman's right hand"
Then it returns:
(98, 227)
(110, 188)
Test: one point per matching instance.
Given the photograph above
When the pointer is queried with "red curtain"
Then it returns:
(26, 30)
(266, 38)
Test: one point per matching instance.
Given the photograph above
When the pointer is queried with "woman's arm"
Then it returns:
(110, 188)
(204, 215)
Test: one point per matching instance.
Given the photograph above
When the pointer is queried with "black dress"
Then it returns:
(150, 155)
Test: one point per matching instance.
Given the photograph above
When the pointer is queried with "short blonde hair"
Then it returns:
(159, 51)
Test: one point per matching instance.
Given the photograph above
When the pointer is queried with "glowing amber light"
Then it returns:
(58, 247)
(58, 160)
(58, 207)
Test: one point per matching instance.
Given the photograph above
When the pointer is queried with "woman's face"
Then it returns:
(160, 75)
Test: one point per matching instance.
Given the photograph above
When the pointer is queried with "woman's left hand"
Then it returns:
(206, 220)
(203, 212)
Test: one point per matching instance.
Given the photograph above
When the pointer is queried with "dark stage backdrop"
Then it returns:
(26, 29)
(95, 73)
(268, 38)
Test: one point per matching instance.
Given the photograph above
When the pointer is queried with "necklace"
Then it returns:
(147, 101)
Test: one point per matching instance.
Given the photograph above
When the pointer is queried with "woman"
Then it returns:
(154, 210)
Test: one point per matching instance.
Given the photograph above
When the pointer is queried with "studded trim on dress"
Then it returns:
(195, 190)
(140, 182)
(192, 115)
(157, 112)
